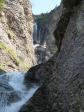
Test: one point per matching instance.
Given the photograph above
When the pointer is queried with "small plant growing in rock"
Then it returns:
(10, 33)
(2, 2)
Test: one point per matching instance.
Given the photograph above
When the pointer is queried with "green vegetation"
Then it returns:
(25, 67)
(2, 2)
(10, 33)
(43, 18)
(2, 65)
(54, 50)
(13, 56)
(10, 51)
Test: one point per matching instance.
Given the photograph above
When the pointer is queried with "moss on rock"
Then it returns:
(13, 56)
(2, 2)
(10, 33)
(10, 52)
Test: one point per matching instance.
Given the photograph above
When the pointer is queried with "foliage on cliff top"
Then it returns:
(45, 18)
(2, 2)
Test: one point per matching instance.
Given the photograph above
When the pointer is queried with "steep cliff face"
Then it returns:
(16, 27)
(63, 75)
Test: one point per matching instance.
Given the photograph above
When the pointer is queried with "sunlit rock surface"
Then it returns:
(16, 44)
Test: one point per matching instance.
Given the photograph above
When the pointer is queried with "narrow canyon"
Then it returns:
(41, 57)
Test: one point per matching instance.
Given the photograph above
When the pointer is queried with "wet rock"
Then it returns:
(7, 93)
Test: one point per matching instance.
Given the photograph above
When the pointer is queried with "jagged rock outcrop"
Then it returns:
(63, 75)
(16, 27)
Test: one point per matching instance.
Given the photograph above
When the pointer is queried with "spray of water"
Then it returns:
(15, 81)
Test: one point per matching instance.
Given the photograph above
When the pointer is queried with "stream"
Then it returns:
(13, 92)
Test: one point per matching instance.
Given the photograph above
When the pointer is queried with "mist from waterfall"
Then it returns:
(12, 86)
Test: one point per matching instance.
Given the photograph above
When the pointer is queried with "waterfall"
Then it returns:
(35, 33)
(39, 41)
(13, 92)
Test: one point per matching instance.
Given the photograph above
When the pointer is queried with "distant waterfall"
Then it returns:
(39, 34)
(35, 33)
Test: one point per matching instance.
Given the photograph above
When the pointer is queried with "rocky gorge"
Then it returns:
(62, 77)
(56, 84)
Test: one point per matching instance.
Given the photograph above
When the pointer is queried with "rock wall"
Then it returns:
(16, 28)
(62, 77)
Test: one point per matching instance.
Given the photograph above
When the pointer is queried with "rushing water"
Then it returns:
(13, 92)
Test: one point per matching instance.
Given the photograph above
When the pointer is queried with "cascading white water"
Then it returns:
(35, 33)
(14, 85)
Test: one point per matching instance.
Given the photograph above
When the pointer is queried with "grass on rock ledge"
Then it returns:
(9, 51)
(2, 66)
(13, 56)
(2, 2)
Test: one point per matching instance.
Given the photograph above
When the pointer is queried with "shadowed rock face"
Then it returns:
(70, 4)
(63, 74)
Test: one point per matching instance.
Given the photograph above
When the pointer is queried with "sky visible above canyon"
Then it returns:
(43, 6)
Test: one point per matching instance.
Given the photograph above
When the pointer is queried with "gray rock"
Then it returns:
(63, 74)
